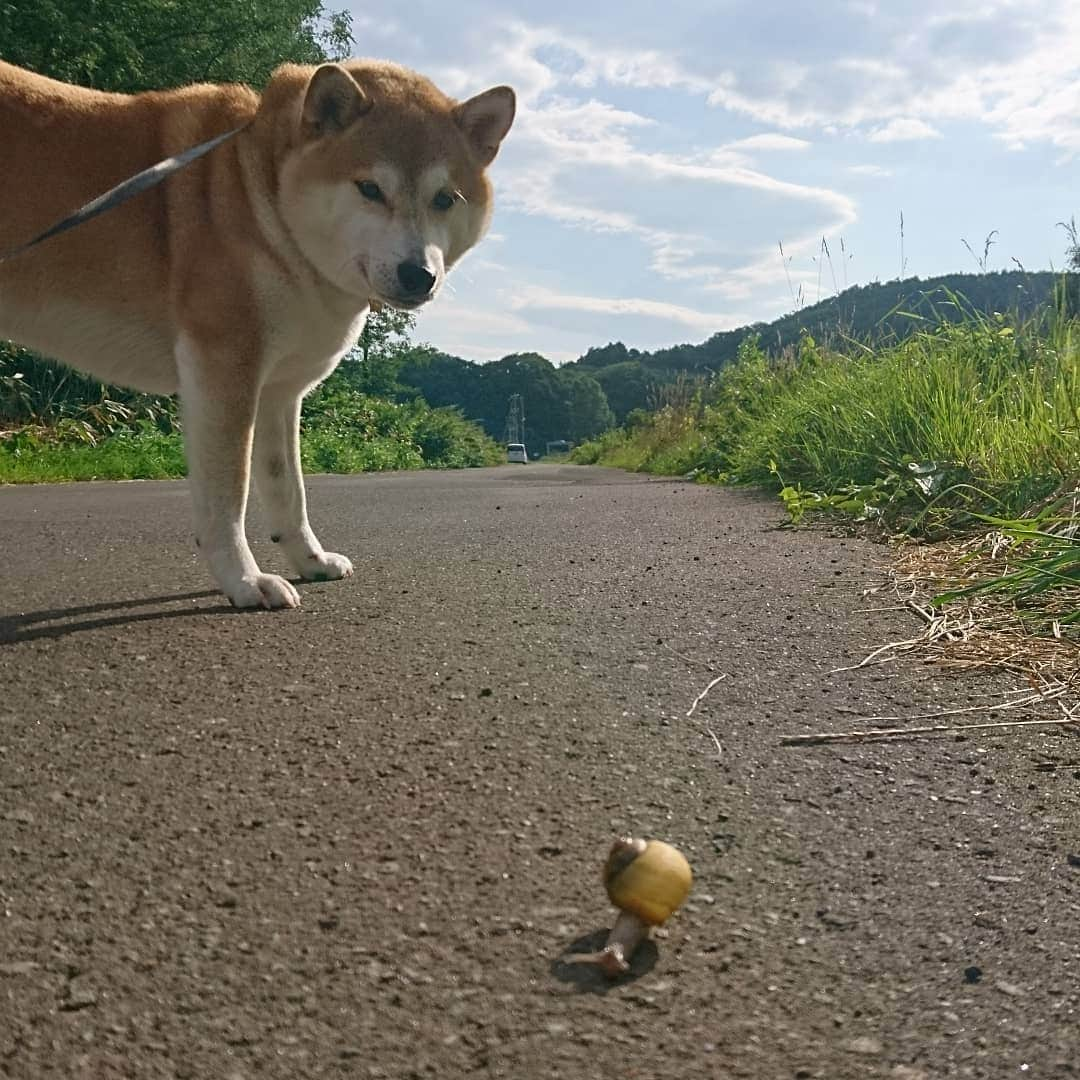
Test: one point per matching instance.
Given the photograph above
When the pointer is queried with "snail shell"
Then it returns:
(648, 878)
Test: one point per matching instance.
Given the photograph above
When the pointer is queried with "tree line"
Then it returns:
(559, 403)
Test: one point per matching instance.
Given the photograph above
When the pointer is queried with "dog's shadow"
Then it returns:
(589, 979)
(57, 622)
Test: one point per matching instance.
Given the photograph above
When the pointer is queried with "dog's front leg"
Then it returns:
(280, 483)
(218, 394)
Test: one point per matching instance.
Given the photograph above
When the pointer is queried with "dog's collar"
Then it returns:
(125, 190)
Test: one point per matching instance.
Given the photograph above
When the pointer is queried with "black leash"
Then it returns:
(123, 191)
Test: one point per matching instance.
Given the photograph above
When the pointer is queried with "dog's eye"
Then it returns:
(443, 201)
(370, 190)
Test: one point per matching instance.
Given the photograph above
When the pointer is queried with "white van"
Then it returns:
(515, 453)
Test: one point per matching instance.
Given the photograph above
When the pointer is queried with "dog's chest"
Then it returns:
(305, 330)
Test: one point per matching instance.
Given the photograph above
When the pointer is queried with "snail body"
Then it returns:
(647, 880)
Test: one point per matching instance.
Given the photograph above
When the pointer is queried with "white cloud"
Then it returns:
(509, 57)
(536, 194)
(1037, 109)
(1010, 66)
(764, 275)
(474, 332)
(573, 136)
(869, 170)
(540, 298)
(561, 141)
(770, 141)
(876, 68)
(646, 70)
(585, 121)
(904, 129)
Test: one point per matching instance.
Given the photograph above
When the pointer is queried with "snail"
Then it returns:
(646, 880)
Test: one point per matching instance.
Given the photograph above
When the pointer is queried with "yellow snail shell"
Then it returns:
(648, 878)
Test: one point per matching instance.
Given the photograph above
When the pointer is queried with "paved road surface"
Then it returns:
(354, 840)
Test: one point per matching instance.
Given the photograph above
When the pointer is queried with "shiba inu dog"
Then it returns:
(241, 281)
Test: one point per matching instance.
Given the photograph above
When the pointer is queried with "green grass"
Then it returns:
(344, 431)
(29, 458)
(33, 458)
(977, 417)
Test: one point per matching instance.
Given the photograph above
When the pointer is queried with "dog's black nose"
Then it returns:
(416, 280)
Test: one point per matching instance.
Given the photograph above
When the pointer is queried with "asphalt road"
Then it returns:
(355, 839)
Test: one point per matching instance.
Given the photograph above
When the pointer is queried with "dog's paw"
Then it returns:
(326, 566)
(263, 590)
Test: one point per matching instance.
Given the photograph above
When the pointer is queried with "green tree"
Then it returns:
(559, 403)
(385, 331)
(372, 367)
(374, 363)
(131, 45)
(601, 356)
(535, 378)
(441, 380)
(587, 409)
(627, 386)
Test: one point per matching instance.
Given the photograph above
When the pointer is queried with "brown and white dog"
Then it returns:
(241, 281)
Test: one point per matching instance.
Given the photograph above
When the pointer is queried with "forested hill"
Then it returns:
(866, 313)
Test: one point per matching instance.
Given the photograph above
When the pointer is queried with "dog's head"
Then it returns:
(383, 185)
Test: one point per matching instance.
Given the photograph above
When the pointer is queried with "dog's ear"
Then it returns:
(333, 101)
(486, 119)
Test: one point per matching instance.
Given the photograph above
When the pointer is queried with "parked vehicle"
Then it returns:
(515, 453)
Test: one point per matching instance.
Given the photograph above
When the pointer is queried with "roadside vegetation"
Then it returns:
(959, 419)
(61, 426)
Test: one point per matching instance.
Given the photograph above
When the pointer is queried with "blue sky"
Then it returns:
(663, 152)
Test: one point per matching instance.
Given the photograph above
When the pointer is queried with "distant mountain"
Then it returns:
(871, 314)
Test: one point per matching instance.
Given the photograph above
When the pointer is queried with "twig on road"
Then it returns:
(939, 627)
(704, 693)
(1033, 698)
(687, 659)
(937, 729)
(894, 646)
(719, 748)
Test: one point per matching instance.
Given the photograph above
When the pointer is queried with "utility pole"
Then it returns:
(515, 420)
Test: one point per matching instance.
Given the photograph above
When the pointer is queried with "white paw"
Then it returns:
(263, 590)
(326, 566)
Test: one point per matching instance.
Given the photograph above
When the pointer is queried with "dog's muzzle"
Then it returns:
(417, 282)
